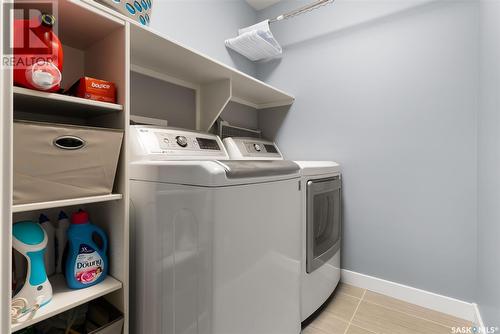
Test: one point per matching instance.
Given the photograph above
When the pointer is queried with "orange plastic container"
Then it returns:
(38, 54)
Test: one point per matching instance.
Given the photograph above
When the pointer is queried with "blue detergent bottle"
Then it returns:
(86, 261)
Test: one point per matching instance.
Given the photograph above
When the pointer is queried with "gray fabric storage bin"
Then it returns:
(55, 161)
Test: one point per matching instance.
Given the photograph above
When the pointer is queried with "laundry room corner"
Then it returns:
(249, 167)
(388, 91)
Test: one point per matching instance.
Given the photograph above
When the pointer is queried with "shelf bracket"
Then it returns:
(213, 99)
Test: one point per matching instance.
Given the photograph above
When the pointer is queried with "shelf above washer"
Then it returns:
(150, 49)
(155, 54)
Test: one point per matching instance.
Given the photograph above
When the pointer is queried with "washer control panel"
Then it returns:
(156, 143)
(251, 149)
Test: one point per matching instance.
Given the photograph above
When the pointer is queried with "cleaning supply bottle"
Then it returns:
(50, 253)
(86, 260)
(38, 54)
(61, 239)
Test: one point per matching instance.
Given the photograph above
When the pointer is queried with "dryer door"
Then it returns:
(323, 221)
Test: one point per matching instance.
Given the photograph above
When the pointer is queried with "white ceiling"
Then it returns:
(261, 4)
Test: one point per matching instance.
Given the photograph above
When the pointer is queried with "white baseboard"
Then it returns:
(478, 320)
(451, 306)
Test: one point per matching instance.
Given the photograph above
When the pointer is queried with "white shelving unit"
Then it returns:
(150, 49)
(156, 55)
(6, 116)
(96, 44)
(101, 43)
(65, 298)
(215, 83)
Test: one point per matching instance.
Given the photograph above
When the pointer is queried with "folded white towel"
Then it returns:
(256, 42)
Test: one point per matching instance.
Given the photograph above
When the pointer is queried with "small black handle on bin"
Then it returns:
(69, 142)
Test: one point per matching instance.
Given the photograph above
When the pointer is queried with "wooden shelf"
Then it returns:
(65, 298)
(65, 202)
(33, 101)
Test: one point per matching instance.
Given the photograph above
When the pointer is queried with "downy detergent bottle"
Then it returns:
(86, 261)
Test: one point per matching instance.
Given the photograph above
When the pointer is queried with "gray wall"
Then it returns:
(159, 99)
(241, 115)
(489, 166)
(390, 91)
(204, 25)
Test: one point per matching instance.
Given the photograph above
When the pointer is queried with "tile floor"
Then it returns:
(352, 310)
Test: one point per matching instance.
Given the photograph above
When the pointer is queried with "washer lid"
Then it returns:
(211, 173)
(318, 167)
(237, 169)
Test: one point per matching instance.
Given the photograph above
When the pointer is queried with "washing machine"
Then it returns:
(321, 216)
(215, 243)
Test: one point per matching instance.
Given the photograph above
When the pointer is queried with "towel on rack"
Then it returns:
(256, 42)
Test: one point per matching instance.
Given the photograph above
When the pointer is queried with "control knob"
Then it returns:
(181, 141)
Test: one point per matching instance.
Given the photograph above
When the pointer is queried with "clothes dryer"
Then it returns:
(321, 216)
